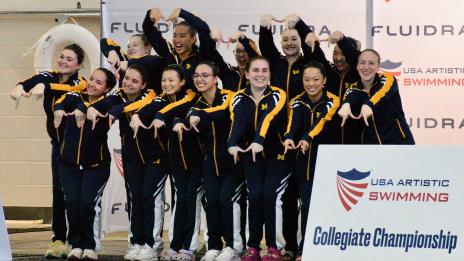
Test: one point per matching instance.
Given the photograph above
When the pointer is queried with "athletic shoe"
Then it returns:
(210, 255)
(132, 251)
(252, 254)
(168, 255)
(228, 254)
(89, 255)
(146, 253)
(273, 254)
(57, 249)
(75, 254)
(184, 255)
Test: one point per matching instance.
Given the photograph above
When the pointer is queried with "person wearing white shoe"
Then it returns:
(228, 254)
(75, 254)
(146, 253)
(132, 252)
(210, 255)
(90, 255)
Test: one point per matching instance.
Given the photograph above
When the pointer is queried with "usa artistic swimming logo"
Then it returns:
(391, 67)
(351, 187)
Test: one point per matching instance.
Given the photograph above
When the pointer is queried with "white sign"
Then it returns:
(387, 203)
(5, 250)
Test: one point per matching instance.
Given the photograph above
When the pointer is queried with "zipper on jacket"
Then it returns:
(401, 130)
(79, 147)
(214, 148)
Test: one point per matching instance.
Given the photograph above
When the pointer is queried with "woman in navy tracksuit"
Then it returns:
(138, 52)
(309, 125)
(381, 109)
(85, 163)
(144, 163)
(223, 180)
(258, 118)
(52, 85)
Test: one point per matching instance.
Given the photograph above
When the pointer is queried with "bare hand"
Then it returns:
(255, 148)
(38, 92)
(179, 128)
(113, 59)
(80, 117)
(289, 145)
(345, 112)
(156, 124)
(311, 40)
(135, 123)
(291, 20)
(366, 113)
(266, 20)
(156, 15)
(234, 150)
(58, 117)
(174, 15)
(93, 115)
(303, 145)
(194, 120)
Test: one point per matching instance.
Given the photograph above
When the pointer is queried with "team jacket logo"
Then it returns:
(350, 186)
(118, 161)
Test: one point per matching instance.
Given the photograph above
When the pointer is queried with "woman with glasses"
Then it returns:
(209, 116)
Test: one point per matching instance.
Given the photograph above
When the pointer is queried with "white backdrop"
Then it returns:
(121, 19)
(421, 42)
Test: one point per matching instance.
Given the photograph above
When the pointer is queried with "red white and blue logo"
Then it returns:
(118, 161)
(351, 186)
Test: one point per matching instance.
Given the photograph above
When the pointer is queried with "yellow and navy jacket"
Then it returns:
(144, 148)
(214, 128)
(182, 154)
(288, 78)
(53, 91)
(388, 124)
(168, 53)
(152, 63)
(312, 122)
(263, 123)
(82, 147)
(337, 83)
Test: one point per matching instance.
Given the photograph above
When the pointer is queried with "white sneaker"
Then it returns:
(75, 254)
(146, 253)
(168, 255)
(132, 251)
(210, 255)
(89, 254)
(228, 254)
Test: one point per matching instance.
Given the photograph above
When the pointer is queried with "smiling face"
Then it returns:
(137, 48)
(259, 73)
(171, 82)
(368, 65)
(241, 55)
(204, 78)
(313, 83)
(183, 40)
(291, 42)
(68, 62)
(133, 83)
(339, 60)
(97, 84)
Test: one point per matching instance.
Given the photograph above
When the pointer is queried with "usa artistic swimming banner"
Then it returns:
(122, 18)
(421, 42)
(387, 203)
